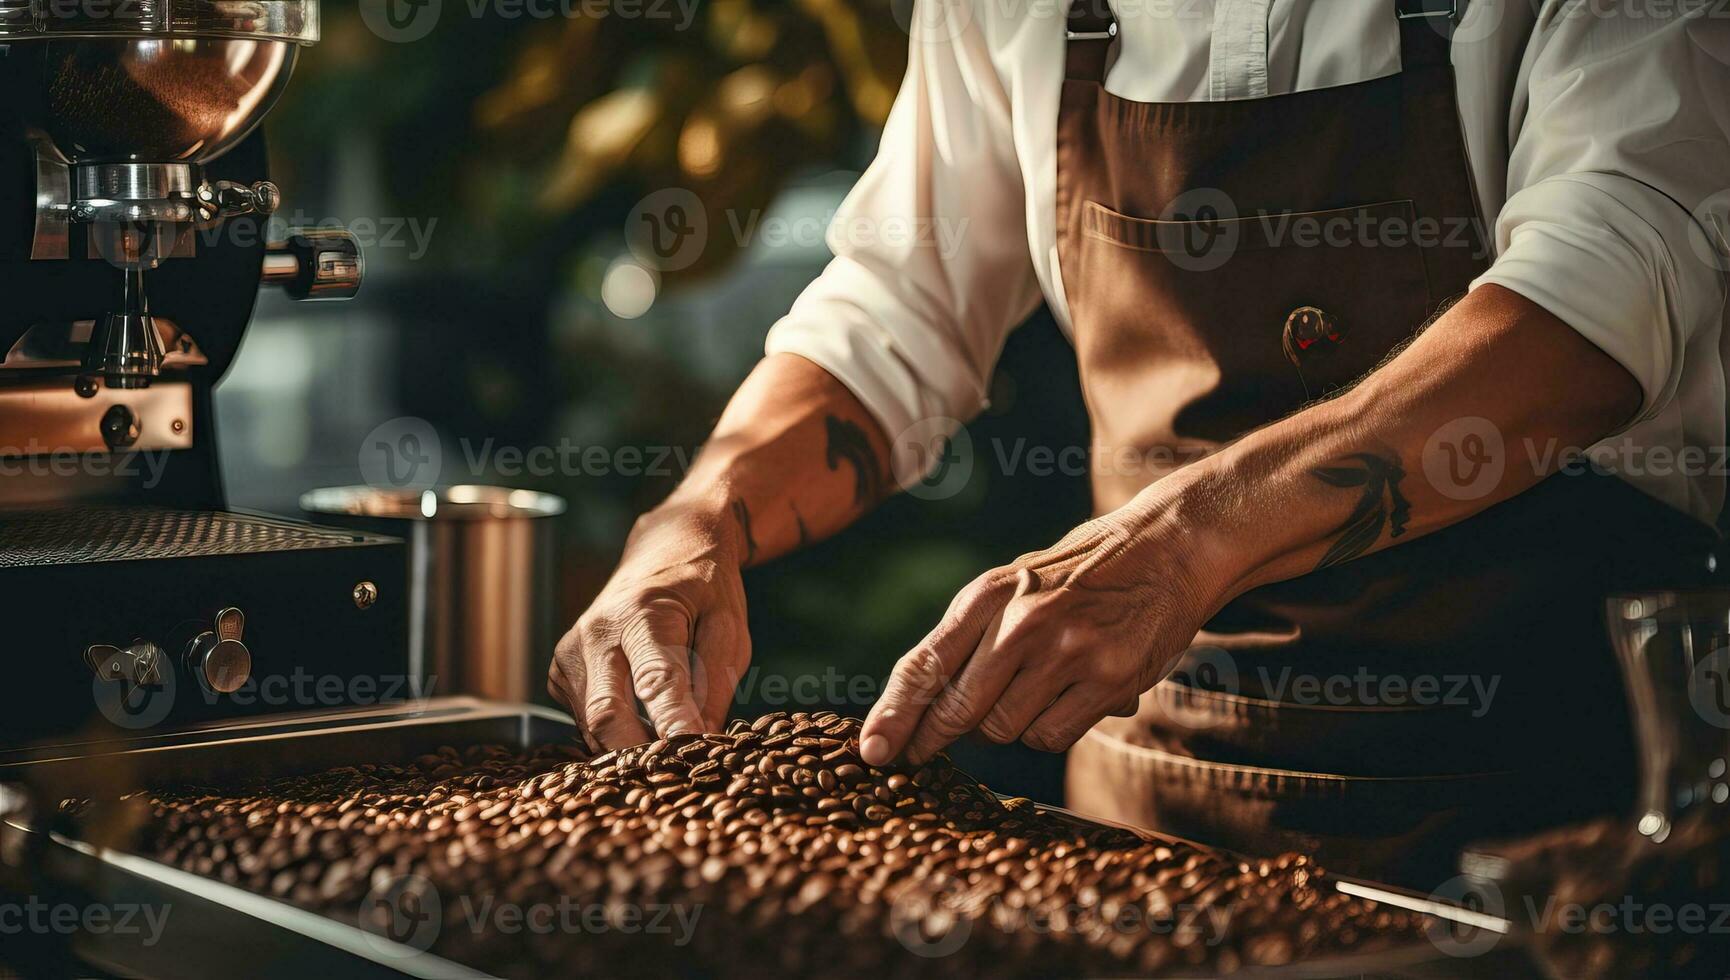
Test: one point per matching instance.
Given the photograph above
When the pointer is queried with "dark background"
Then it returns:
(517, 147)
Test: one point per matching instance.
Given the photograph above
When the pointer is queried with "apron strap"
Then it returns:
(1427, 32)
(1088, 37)
(1426, 35)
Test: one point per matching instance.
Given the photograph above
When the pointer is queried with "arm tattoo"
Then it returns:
(847, 443)
(742, 514)
(1380, 503)
(799, 522)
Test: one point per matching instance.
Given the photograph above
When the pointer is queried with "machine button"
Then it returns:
(1308, 327)
(140, 664)
(119, 427)
(218, 659)
(107, 661)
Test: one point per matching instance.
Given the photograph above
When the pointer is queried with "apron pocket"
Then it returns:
(1288, 305)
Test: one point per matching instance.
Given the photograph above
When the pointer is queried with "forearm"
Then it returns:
(794, 458)
(1414, 447)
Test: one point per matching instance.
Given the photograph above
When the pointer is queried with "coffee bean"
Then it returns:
(810, 843)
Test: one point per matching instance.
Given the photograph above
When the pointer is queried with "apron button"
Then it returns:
(1308, 327)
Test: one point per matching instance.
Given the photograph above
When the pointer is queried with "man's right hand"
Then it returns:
(668, 630)
(794, 458)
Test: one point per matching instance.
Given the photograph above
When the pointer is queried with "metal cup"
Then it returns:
(1674, 648)
(480, 578)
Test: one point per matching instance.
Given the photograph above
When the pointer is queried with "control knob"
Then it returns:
(218, 658)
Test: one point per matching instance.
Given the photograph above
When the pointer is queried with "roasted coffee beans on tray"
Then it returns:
(1600, 901)
(771, 848)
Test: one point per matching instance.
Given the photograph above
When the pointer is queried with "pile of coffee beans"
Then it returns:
(769, 848)
(1600, 900)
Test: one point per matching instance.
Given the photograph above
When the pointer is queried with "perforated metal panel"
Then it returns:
(97, 534)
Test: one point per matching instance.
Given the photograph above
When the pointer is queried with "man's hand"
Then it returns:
(1043, 648)
(668, 629)
(794, 458)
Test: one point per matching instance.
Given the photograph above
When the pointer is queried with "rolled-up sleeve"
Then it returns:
(1617, 187)
(931, 269)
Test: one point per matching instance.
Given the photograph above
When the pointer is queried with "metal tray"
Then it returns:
(213, 926)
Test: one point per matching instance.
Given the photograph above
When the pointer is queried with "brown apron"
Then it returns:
(1225, 262)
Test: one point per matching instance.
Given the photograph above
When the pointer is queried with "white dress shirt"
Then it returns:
(1599, 140)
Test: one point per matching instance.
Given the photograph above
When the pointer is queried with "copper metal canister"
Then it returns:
(480, 579)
